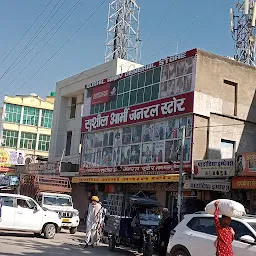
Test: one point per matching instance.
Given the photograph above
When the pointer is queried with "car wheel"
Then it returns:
(73, 230)
(49, 231)
(179, 253)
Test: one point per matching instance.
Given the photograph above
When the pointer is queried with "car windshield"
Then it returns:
(253, 225)
(58, 200)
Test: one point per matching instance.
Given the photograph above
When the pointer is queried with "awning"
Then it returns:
(128, 179)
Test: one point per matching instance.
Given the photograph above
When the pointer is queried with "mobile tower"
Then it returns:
(123, 31)
(242, 25)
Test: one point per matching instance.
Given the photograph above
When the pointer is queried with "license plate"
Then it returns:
(65, 220)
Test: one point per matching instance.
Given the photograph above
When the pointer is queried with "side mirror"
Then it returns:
(36, 208)
(247, 239)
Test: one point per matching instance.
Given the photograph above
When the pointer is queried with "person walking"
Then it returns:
(164, 231)
(225, 234)
(93, 219)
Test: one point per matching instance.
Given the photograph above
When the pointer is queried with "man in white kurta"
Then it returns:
(93, 219)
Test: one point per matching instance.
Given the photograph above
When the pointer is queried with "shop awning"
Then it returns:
(127, 179)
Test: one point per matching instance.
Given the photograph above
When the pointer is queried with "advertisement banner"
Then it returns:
(100, 94)
(11, 157)
(128, 179)
(246, 164)
(42, 168)
(161, 108)
(216, 185)
(217, 168)
(244, 183)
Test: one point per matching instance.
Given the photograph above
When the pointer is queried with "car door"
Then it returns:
(201, 236)
(241, 248)
(27, 217)
(8, 212)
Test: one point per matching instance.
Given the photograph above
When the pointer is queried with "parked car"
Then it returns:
(196, 233)
(22, 213)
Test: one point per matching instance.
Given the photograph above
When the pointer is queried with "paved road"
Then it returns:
(63, 244)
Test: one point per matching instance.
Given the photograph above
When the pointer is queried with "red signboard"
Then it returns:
(100, 94)
(172, 106)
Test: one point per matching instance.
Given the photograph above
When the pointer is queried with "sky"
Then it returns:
(166, 27)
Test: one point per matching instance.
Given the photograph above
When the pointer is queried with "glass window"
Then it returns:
(119, 103)
(240, 230)
(133, 97)
(12, 113)
(113, 104)
(73, 108)
(46, 119)
(126, 99)
(44, 142)
(140, 94)
(68, 143)
(10, 138)
(107, 106)
(134, 83)
(203, 224)
(7, 201)
(149, 76)
(127, 84)
(92, 109)
(147, 93)
(30, 116)
(253, 225)
(101, 107)
(141, 82)
(121, 86)
(156, 75)
(155, 92)
(28, 140)
(23, 203)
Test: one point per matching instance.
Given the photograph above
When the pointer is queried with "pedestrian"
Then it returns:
(164, 231)
(225, 234)
(93, 219)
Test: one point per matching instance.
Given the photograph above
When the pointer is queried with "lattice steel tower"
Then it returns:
(242, 24)
(123, 31)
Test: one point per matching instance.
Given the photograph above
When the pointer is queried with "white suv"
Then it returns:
(22, 213)
(196, 233)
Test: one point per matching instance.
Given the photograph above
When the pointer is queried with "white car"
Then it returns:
(196, 233)
(22, 213)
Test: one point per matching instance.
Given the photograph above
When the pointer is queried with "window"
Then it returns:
(203, 224)
(7, 201)
(46, 119)
(240, 230)
(28, 204)
(28, 140)
(44, 142)
(68, 143)
(229, 98)
(73, 108)
(30, 116)
(12, 113)
(227, 149)
(10, 138)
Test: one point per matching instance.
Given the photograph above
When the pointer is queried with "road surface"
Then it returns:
(63, 244)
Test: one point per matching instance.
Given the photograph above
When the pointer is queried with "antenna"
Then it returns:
(123, 31)
(242, 26)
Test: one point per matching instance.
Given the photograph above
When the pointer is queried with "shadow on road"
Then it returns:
(42, 247)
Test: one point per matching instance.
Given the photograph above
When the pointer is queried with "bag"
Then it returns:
(227, 207)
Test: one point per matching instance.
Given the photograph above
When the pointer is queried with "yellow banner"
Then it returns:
(128, 179)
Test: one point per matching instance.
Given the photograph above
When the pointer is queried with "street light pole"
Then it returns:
(183, 134)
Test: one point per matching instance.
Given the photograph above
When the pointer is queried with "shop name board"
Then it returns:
(131, 170)
(160, 63)
(214, 168)
(42, 168)
(206, 185)
(244, 183)
(143, 112)
(153, 187)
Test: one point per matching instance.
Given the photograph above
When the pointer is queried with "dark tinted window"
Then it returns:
(202, 224)
(240, 230)
(6, 201)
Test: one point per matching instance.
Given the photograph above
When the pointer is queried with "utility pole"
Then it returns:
(183, 134)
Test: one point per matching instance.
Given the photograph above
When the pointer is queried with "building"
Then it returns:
(26, 127)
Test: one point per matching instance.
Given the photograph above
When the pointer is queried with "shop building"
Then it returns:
(131, 123)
